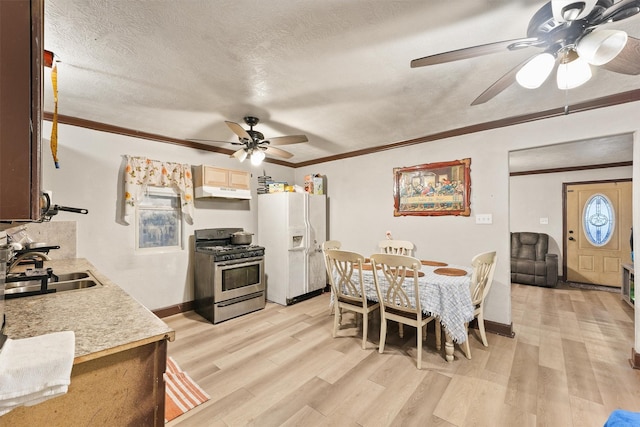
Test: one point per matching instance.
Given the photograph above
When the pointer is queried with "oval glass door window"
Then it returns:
(598, 220)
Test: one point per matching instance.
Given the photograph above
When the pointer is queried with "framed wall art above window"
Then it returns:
(433, 189)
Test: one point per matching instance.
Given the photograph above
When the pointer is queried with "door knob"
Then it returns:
(571, 238)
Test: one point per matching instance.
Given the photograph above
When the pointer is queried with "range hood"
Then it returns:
(226, 192)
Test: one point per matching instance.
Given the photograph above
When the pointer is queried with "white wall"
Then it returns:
(360, 194)
(532, 197)
(90, 177)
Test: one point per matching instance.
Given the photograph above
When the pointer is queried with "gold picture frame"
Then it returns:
(433, 189)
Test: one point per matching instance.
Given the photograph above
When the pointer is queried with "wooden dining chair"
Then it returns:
(484, 266)
(399, 247)
(396, 280)
(349, 289)
(327, 246)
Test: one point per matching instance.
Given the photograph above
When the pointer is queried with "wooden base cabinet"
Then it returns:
(120, 389)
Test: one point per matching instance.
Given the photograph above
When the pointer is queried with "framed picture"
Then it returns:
(433, 189)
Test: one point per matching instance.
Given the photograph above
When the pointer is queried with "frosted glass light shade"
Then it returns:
(601, 46)
(573, 72)
(257, 156)
(536, 71)
(241, 156)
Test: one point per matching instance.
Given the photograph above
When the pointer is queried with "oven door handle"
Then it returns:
(243, 262)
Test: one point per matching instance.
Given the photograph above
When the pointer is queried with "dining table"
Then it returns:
(444, 293)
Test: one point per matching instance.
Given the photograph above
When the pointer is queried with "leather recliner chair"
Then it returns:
(531, 264)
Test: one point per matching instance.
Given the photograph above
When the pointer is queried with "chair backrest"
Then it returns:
(399, 247)
(346, 280)
(531, 246)
(327, 246)
(484, 265)
(396, 280)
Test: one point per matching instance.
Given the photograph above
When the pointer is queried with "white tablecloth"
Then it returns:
(447, 297)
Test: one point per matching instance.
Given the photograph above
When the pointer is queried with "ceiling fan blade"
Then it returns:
(278, 152)
(501, 84)
(238, 130)
(620, 10)
(285, 140)
(627, 61)
(215, 141)
(472, 52)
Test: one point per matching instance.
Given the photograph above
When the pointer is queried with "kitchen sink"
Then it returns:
(66, 282)
(72, 276)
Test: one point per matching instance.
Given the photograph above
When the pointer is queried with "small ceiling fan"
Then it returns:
(255, 145)
(567, 32)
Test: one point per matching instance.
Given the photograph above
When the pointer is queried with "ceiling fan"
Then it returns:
(568, 34)
(254, 145)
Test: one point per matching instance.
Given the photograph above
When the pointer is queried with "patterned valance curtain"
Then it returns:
(141, 172)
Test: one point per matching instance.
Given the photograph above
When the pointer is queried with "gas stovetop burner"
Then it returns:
(217, 243)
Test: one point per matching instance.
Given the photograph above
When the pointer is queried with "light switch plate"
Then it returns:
(484, 219)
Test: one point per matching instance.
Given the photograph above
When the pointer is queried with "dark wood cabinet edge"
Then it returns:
(37, 75)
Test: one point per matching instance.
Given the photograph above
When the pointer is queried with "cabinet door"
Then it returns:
(215, 177)
(20, 108)
(239, 179)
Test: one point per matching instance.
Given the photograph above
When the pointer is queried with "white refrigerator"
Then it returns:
(292, 228)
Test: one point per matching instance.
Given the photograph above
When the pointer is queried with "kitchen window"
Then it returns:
(159, 221)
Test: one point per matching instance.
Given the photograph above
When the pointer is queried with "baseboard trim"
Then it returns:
(495, 328)
(635, 359)
(175, 309)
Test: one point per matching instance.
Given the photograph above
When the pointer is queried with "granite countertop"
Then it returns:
(105, 319)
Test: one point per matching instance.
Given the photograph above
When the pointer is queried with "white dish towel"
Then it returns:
(35, 369)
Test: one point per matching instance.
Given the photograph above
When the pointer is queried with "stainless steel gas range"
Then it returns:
(229, 279)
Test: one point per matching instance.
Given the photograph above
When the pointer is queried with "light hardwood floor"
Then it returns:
(566, 366)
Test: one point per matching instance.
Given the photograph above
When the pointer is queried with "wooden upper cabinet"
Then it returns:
(210, 181)
(21, 37)
(218, 177)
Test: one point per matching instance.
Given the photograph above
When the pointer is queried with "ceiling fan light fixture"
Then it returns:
(572, 11)
(257, 156)
(600, 47)
(242, 156)
(573, 71)
(536, 71)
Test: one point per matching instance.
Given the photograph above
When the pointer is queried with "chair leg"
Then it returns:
(336, 320)
(365, 326)
(465, 344)
(438, 334)
(332, 303)
(419, 333)
(483, 334)
(383, 335)
(401, 329)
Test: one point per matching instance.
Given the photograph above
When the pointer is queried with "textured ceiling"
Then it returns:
(335, 70)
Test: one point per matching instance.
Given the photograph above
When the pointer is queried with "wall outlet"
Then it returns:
(484, 219)
(544, 220)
